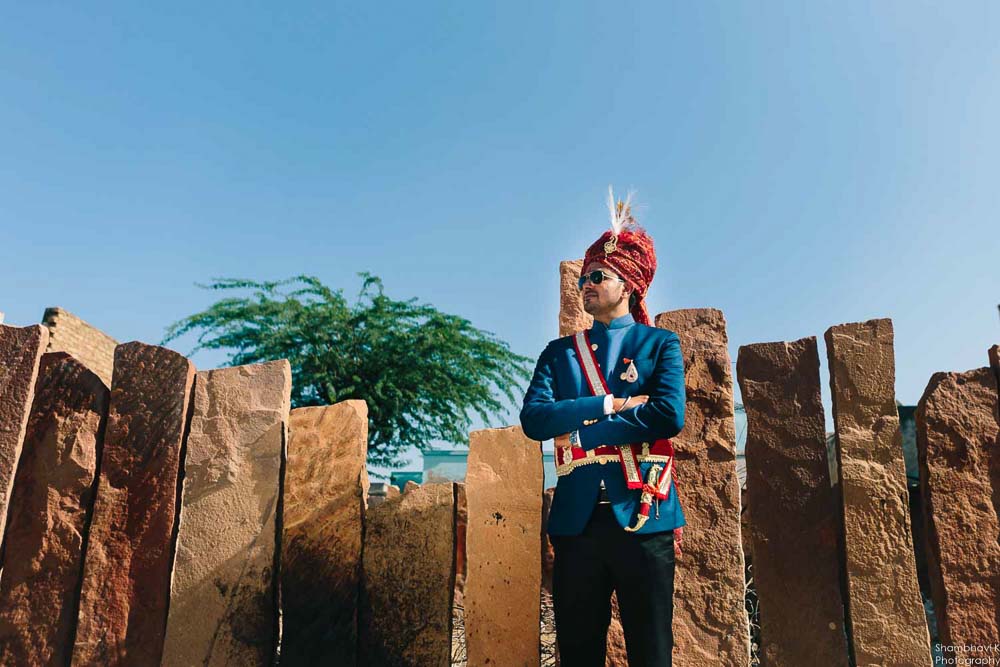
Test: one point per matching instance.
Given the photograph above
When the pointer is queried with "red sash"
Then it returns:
(630, 456)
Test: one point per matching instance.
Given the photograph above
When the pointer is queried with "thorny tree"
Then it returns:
(423, 373)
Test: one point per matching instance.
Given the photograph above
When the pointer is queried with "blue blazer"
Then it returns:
(558, 401)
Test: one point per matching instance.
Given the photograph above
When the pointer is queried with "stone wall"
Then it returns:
(200, 503)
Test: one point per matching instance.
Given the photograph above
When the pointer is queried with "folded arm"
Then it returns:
(662, 416)
(542, 416)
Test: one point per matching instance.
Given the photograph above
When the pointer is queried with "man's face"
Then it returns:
(602, 298)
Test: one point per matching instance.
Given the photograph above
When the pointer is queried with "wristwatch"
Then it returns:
(574, 438)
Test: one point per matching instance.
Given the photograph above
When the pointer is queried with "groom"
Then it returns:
(611, 397)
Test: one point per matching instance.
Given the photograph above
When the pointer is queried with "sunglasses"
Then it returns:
(596, 277)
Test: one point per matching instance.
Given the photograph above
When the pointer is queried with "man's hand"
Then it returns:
(619, 403)
(629, 403)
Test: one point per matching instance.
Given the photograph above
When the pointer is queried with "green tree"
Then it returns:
(423, 373)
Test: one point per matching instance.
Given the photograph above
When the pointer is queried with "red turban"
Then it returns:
(627, 250)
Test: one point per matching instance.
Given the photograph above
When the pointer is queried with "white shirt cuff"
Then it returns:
(609, 404)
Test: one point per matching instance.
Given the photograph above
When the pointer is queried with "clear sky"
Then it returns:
(799, 164)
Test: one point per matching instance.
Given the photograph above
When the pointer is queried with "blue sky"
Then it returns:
(799, 164)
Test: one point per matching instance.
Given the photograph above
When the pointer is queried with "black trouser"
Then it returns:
(604, 558)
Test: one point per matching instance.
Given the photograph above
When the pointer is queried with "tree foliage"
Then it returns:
(423, 373)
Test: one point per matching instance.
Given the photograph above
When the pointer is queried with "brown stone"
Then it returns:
(888, 626)
(21, 350)
(222, 592)
(461, 529)
(504, 480)
(408, 579)
(326, 487)
(88, 344)
(994, 354)
(796, 517)
(572, 317)
(126, 572)
(548, 551)
(53, 492)
(958, 441)
(710, 620)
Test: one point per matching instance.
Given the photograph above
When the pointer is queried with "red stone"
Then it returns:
(21, 350)
(887, 620)
(958, 445)
(126, 577)
(795, 518)
(710, 620)
(53, 491)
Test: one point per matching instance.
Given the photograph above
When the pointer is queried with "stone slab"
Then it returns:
(958, 441)
(710, 620)
(53, 493)
(405, 618)
(326, 488)
(994, 355)
(461, 530)
(21, 350)
(572, 316)
(796, 517)
(886, 614)
(223, 607)
(126, 573)
(504, 482)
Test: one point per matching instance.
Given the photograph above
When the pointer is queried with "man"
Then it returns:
(610, 397)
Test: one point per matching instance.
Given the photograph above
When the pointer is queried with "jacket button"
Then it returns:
(593, 346)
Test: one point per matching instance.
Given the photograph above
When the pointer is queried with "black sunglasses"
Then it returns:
(596, 277)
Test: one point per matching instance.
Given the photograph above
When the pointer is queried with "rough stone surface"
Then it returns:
(995, 360)
(616, 655)
(21, 350)
(326, 487)
(548, 551)
(796, 516)
(572, 317)
(504, 480)
(461, 530)
(222, 592)
(408, 579)
(88, 344)
(53, 492)
(126, 572)
(888, 626)
(710, 620)
(958, 440)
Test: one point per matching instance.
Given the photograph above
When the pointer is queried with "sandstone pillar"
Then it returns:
(504, 482)
(572, 317)
(21, 350)
(409, 579)
(795, 514)
(886, 614)
(223, 608)
(53, 491)
(957, 442)
(710, 621)
(126, 573)
(326, 487)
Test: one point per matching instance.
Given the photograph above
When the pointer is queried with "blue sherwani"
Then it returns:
(558, 401)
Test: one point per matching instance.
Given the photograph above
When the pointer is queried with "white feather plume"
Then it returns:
(619, 219)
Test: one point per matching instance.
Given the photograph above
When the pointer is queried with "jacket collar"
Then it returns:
(625, 320)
